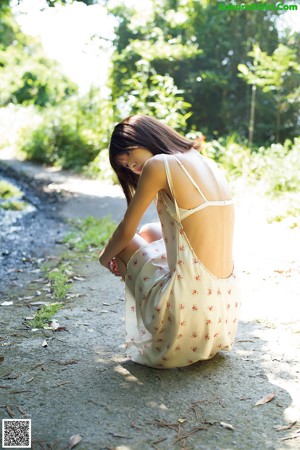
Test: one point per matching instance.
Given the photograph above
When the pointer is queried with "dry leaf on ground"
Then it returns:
(74, 440)
(228, 426)
(54, 325)
(265, 399)
(181, 420)
(285, 427)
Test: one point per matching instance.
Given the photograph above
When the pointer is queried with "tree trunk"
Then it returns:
(277, 130)
(252, 115)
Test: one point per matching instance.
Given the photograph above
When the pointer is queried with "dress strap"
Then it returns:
(191, 179)
(170, 183)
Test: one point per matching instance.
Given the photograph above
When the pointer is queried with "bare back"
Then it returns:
(209, 229)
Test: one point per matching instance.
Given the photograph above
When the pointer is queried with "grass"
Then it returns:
(8, 190)
(60, 281)
(90, 233)
(13, 205)
(43, 317)
(85, 235)
(10, 197)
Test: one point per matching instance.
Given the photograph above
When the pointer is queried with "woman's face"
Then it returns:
(135, 159)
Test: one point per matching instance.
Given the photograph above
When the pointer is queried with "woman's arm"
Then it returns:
(152, 180)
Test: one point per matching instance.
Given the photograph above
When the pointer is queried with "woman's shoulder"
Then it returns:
(154, 169)
(155, 162)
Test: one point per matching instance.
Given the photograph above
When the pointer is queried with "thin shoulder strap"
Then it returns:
(170, 183)
(191, 179)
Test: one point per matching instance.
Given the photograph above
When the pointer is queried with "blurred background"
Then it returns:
(70, 70)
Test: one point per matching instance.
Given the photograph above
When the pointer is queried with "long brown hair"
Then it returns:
(140, 131)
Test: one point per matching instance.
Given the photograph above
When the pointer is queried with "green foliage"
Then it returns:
(278, 74)
(199, 49)
(70, 135)
(44, 316)
(100, 168)
(13, 205)
(154, 95)
(276, 168)
(59, 280)
(10, 197)
(8, 190)
(279, 166)
(90, 233)
(26, 75)
(137, 85)
(288, 213)
(64, 2)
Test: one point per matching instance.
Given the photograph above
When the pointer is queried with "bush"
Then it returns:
(276, 168)
(279, 166)
(70, 136)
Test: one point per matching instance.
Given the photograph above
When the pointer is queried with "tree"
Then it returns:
(200, 48)
(26, 74)
(279, 74)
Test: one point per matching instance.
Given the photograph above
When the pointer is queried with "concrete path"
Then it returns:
(82, 384)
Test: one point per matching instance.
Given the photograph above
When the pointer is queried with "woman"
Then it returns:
(182, 296)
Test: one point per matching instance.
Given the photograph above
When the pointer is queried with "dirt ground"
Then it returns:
(82, 384)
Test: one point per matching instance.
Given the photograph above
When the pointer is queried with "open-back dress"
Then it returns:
(177, 312)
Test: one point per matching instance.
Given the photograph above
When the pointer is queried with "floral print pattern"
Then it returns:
(177, 312)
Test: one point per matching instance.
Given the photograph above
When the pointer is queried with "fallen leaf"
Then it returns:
(79, 278)
(62, 384)
(31, 379)
(293, 436)
(265, 399)
(74, 440)
(38, 303)
(285, 427)
(68, 272)
(61, 329)
(45, 344)
(228, 426)
(29, 318)
(9, 411)
(74, 295)
(181, 420)
(1, 359)
(54, 325)
(46, 289)
(67, 362)
(24, 414)
(7, 303)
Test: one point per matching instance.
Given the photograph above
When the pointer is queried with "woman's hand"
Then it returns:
(113, 267)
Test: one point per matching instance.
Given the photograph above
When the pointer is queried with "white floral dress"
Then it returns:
(177, 312)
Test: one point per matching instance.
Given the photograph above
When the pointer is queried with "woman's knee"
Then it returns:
(151, 232)
(136, 242)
